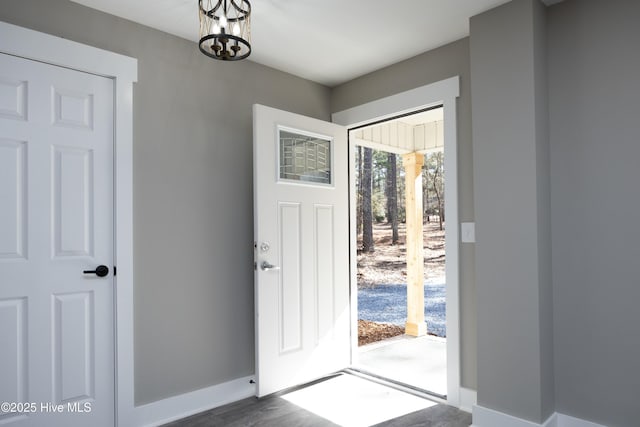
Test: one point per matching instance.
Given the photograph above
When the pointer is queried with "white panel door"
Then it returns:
(56, 221)
(302, 253)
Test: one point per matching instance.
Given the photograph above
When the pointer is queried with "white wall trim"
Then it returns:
(468, 399)
(404, 102)
(567, 421)
(187, 404)
(123, 70)
(485, 417)
(442, 93)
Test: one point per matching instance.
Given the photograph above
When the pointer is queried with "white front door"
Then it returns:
(56, 222)
(302, 248)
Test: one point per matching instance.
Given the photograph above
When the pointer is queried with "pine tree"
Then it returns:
(367, 214)
(392, 196)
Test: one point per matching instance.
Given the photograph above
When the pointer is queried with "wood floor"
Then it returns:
(277, 412)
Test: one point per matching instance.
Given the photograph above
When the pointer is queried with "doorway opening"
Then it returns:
(400, 226)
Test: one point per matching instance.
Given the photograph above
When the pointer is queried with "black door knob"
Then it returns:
(100, 271)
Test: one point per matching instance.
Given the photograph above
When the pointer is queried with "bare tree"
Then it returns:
(367, 214)
(425, 194)
(359, 192)
(435, 176)
(392, 196)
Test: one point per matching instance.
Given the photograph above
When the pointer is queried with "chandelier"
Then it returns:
(225, 29)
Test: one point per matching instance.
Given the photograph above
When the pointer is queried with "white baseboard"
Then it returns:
(567, 421)
(184, 405)
(485, 417)
(468, 399)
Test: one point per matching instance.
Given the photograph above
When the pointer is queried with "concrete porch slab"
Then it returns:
(418, 362)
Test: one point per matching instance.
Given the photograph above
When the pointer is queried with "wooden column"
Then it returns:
(416, 325)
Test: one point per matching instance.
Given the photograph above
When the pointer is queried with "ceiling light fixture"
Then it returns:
(225, 29)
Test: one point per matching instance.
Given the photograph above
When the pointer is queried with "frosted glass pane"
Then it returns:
(304, 158)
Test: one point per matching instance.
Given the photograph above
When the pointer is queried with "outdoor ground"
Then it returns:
(387, 266)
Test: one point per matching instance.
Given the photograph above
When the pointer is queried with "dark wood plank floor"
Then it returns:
(277, 412)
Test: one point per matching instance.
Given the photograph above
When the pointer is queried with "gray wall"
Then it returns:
(193, 193)
(594, 71)
(194, 313)
(511, 181)
(438, 64)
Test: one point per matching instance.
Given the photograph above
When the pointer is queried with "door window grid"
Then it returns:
(304, 158)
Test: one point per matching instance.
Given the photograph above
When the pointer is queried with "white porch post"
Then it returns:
(416, 325)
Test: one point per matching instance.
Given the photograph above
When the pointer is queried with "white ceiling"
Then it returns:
(327, 41)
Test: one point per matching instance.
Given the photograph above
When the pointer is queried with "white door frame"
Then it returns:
(123, 70)
(442, 93)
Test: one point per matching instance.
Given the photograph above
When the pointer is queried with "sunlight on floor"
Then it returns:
(351, 401)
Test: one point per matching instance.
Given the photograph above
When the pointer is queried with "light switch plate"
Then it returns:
(468, 232)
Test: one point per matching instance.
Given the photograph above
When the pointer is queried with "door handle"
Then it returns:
(100, 271)
(265, 266)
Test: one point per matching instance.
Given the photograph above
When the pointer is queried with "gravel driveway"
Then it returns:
(388, 304)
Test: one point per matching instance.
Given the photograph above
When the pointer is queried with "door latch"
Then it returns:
(265, 266)
(100, 271)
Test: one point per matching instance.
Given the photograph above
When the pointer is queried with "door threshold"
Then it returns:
(407, 388)
(301, 386)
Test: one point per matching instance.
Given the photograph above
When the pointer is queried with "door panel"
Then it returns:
(290, 289)
(73, 351)
(13, 193)
(56, 221)
(13, 98)
(324, 271)
(301, 229)
(13, 329)
(72, 173)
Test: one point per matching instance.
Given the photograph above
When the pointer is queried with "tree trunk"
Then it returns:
(367, 215)
(437, 191)
(392, 196)
(439, 212)
(425, 193)
(359, 191)
(387, 192)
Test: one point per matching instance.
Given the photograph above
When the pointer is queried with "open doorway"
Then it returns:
(400, 217)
